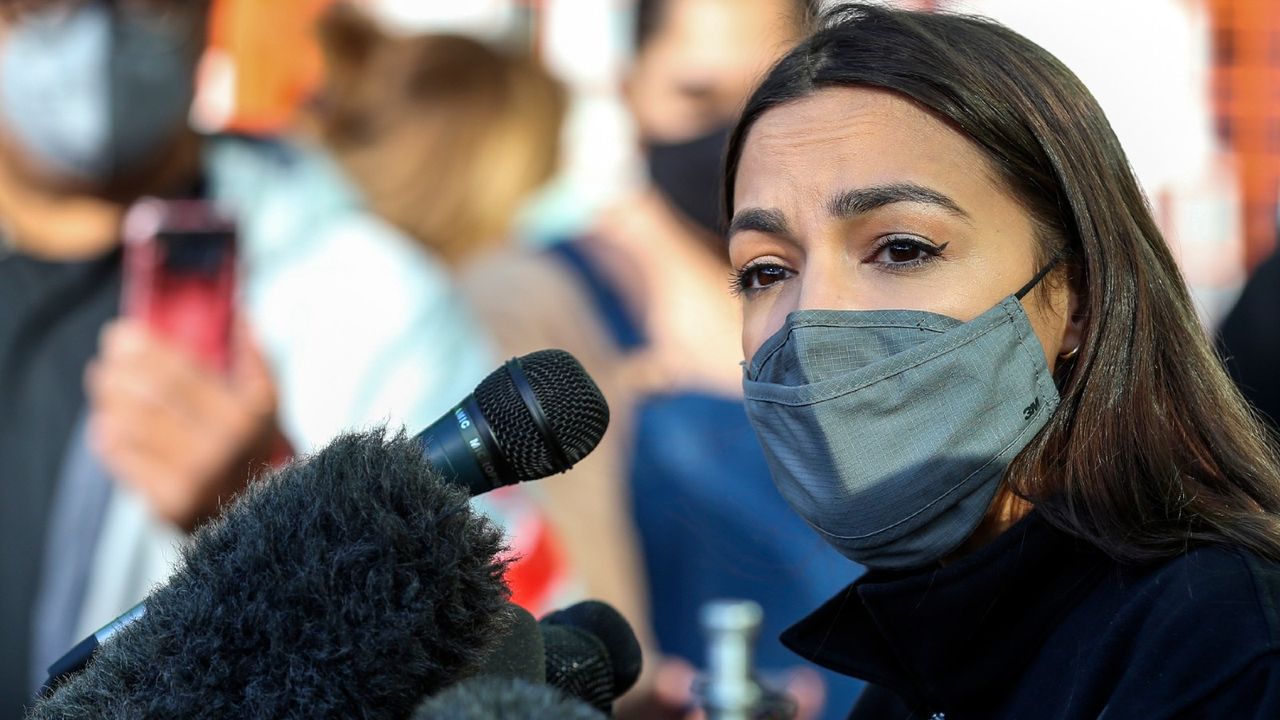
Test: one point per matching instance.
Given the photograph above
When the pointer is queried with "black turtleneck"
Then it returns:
(1041, 625)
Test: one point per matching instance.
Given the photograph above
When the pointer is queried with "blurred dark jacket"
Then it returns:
(1249, 340)
(1039, 624)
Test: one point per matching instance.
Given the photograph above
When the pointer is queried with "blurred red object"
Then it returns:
(539, 575)
(1246, 96)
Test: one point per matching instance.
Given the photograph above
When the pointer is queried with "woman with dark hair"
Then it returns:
(975, 369)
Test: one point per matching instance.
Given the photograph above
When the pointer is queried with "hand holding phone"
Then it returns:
(182, 402)
(183, 436)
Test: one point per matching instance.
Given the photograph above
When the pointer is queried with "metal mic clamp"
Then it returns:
(730, 627)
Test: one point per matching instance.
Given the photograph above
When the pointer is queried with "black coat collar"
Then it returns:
(951, 637)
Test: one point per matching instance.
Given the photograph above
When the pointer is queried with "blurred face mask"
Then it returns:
(91, 92)
(688, 175)
(888, 431)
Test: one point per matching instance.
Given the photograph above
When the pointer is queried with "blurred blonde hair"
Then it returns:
(445, 136)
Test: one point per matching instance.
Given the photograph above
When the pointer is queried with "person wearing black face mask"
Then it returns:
(686, 173)
(93, 105)
(642, 301)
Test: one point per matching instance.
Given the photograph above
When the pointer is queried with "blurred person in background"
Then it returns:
(344, 321)
(446, 138)
(1247, 92)
(1249, 340)
(642, 300)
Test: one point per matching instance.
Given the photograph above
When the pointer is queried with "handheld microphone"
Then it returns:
(519, 651)
(592, 653)
(535, 416)
(573, 663)
(347, 584)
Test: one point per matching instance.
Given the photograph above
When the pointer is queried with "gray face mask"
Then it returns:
(90, 92)
(888, 431)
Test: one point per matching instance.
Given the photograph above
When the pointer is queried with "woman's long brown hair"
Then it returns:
(1152, 448)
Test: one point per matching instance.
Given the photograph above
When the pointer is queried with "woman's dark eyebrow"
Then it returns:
(848, 204)
(863, 200)
(760, 220)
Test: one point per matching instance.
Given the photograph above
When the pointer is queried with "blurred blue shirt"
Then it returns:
(712, 526)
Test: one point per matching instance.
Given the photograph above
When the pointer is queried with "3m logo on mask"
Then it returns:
(1029, 411)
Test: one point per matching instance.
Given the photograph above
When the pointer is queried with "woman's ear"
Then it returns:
(1073, 332)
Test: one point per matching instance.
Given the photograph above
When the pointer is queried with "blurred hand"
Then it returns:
(664, 693)
(672, 696)
(182, 435)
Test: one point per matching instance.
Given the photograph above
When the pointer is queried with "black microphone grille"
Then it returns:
(605, 624)
(575, 413)
(578, 664)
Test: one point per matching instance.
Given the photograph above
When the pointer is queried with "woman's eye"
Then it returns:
(759, 276)
(905, 251)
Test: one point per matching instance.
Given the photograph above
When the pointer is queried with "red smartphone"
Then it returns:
(180, 274)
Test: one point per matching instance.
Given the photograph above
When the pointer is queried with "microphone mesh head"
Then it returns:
(617, 639)
(574, 408)
(578, 664)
